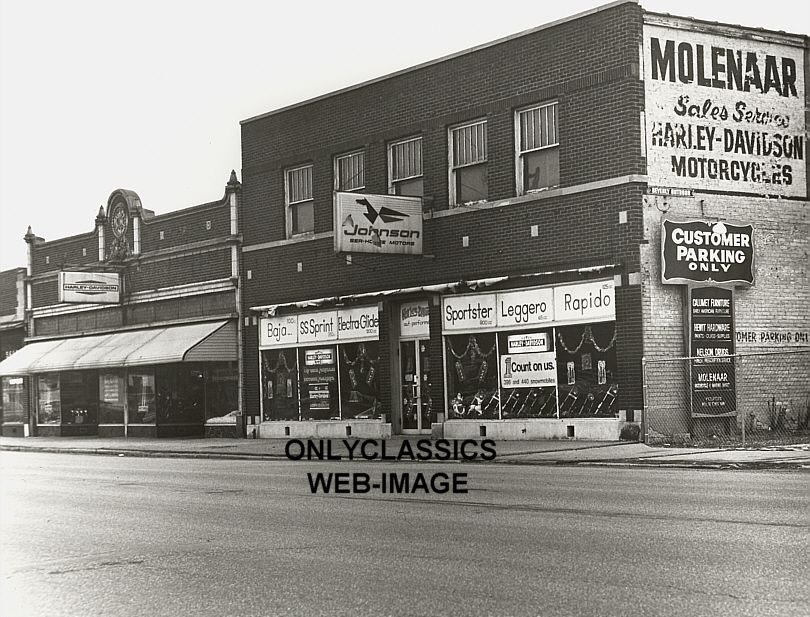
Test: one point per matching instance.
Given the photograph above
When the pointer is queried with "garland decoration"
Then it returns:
(587, 335)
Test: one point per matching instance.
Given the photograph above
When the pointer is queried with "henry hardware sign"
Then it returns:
(701, 251)
(382, 224)
(90, 287)
(711, 344)
(723, 113)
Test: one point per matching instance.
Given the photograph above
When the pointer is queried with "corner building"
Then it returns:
(133, 327)
(468, 247)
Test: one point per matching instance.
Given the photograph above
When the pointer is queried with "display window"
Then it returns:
(319, 383)
(527, 374)
(180, 394)
(112, 397)
(472, 375)
(13, 409)
(141, 399)
(359, 380)
(79, 394)
(49, 403)
(280, 384)
(221, 390)
(586, 370)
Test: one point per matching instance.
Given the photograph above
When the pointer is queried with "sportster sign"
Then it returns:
(386, 224)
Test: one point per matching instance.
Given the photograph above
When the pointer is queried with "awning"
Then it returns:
(471, 285)
(199, 342)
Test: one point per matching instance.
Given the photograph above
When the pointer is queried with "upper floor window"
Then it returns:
(405, 167)
(538, 152)
(350, 171)
(468, 163)
(299, 203)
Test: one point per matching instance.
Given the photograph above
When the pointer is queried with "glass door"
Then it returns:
(417, 412)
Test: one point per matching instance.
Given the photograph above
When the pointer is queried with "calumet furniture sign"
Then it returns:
(723, 113)
(382, 224)
(90, 287)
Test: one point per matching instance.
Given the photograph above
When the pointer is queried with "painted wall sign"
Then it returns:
(90, 287)
(414, 319)
(468, 312)
(528, 370)
(358, 323)
(585, 302)
(520, 308)
(278, 331)
(711, 337)
(700, 251)
(383, 224)
(724, 113)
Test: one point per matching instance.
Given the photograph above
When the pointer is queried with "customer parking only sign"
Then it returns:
(702, 251)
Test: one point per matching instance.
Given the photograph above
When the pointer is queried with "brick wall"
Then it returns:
(8, 291)
(186, 226)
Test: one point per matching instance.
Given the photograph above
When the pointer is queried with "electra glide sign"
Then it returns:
(700, 251)
(724, 113)
(382, 224)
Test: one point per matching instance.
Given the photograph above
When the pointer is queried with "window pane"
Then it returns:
(469, 144)
(359, 380)
(406, 160)
(141, 398)
(350, 170)
(303, 217)
(180, 394)
(221, 391)
(586, 370)
(299, 184)
(413, 187)
(280, 384)
(541, 169)
(79, 390)
(49, 404)
(13, 401)
(472, 376)
(538, 127)
(319, 397)
(527, 375)
(111, 396)
(471, 184)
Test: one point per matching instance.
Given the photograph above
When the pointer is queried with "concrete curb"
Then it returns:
(547, 462)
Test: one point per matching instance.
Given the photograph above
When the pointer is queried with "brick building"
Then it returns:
(133, 327)
(12, 334)
(517, 295)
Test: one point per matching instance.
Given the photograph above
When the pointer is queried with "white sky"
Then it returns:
(97, 95)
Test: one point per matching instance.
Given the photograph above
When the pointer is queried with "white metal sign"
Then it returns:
(468, 312)
(90, 287)
(383, 224)
(317, 327)
(521, 308)
(358, 324)
(528, 343)
(278, 331)
(585, 302)
(414, 319)
(529, 370)
(724, 113)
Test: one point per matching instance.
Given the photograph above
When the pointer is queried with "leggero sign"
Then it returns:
(577, 302)
(724, 113)
(90, 287)
(700, 251)
(381, 224)
(342, 325)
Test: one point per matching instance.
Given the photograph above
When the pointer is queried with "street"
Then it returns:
(98, 535)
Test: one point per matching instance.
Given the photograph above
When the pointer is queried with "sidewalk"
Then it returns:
(551, 452)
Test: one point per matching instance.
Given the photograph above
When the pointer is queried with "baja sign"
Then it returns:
(382, 224)
(701, 251)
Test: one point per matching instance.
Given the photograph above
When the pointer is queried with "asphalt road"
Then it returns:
(95, 535)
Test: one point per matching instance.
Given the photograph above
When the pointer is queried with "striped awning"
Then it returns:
(199, 342)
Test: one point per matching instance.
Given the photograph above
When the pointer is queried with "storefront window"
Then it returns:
(472, 375)
(49, 405)
(180, 394)
(141, 401)
(359, 380)
(112, 397)
(13, 403)
(528, 374)
(280, 384)
(221, 390)
(79, 393)
(319, 396)
(586, 370)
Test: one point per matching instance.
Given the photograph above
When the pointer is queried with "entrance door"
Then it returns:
(417, 413)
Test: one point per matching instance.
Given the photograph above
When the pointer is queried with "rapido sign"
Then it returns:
(700, 251)
(383, 224)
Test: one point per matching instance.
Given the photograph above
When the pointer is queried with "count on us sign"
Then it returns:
(700, 251)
